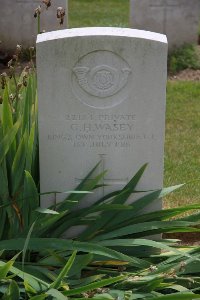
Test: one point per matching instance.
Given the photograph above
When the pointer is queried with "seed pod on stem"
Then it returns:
(61, 14)
(47, 3)
(3, 80)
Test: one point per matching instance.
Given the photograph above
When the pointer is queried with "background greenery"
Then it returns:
(83, 13)
(182, 144)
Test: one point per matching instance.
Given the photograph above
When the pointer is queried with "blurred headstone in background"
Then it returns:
(178, 19)
(18, 25)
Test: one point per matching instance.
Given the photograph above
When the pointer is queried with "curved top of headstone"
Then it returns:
(101, 31)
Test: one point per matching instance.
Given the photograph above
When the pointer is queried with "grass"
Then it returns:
(182, 145)
(83, 13)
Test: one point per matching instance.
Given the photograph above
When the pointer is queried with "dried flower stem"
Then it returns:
(37, 15)
(38, 23)
(16, 86)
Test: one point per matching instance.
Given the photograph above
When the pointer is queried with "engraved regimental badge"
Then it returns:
(100, 79)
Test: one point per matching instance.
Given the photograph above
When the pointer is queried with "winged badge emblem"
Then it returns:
(101, 81)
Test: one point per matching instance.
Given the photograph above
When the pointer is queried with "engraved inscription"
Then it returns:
(100, 131)
(99, 79)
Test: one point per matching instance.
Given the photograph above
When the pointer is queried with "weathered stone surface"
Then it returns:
(101, 97)
(178, 19)
(18, 25)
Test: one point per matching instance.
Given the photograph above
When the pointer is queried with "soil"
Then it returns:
(186, 75)
(187, 238)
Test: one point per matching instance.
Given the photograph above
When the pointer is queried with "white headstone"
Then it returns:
(178, 19)
(18, 25)
(101, 97)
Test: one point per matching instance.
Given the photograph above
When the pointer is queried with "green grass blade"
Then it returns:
(26, 244)
(13, 292)
(5, 268)
(193, 217)
(39, 297)
(80, 263)
(18, 165)
(38, 244)
(27, 108)
(140, 205)
(7, 119)
(7, 124)
(64, 272)
(29, 153)
(38, 284)
(84, 182)
(88, 186)
(178, 296)
(30, 200)
(118, 199)
(166, 214)
(4, 191)
(46, 211)
(138, 242)
(46, 223)
(7, 140)
(56, 295)
(143, 228)
(93, 286)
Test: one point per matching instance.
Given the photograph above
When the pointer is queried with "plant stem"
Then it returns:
(38, 19)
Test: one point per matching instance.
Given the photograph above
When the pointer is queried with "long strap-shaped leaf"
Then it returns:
(166, 214)
(35, 282)
(39, 244)
(5, 269)
(139, 205)
(146, 227)
(4, 190)
(64, 272)
(178, 296)
(7, 124)
(87, 184)
(18, 165)
(30, 200)
(139, 242)
(119, 199)
(93, 286)
(8, 140)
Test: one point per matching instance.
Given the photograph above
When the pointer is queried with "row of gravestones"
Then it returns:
(178, 19)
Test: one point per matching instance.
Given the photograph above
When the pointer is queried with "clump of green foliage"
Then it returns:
(18, 148)
(183, 58)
